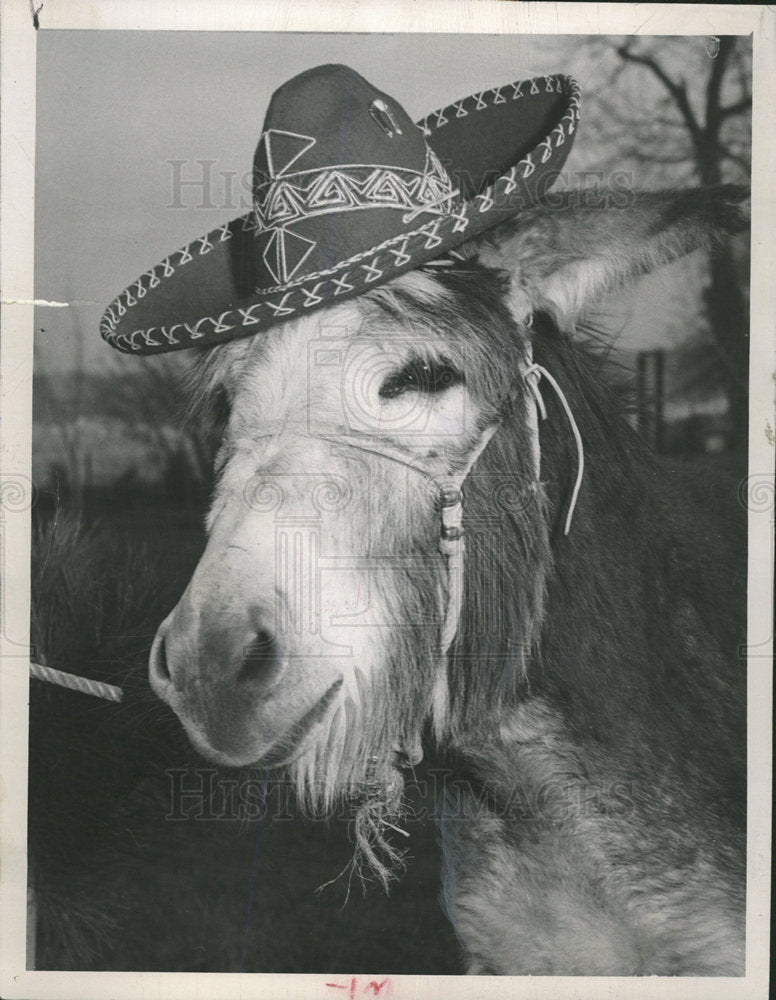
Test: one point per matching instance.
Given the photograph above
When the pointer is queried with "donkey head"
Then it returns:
(309, 634)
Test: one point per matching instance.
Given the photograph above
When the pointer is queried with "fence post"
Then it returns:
(650, 397)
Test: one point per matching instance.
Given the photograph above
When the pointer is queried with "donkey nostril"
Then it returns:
(159, 669)
(260, 656)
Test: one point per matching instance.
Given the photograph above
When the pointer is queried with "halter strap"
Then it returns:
(373, 447)
(533, 373)
(451, 533)
(451, 539)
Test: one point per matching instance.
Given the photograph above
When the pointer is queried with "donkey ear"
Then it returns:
(566, 253)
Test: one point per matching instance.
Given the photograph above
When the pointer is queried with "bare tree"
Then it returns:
(698, 131)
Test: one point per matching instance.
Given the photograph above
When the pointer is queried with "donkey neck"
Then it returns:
(611, 626)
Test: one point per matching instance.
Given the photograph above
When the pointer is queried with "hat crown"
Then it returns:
(339, 166)
(335, 106)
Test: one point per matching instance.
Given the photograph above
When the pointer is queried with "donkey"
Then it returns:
(579, 667)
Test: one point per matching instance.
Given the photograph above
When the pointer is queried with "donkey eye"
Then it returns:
(421, 376)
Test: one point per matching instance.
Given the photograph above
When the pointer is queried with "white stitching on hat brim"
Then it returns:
(463, 216)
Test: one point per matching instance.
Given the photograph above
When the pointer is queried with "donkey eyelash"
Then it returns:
(421, 375)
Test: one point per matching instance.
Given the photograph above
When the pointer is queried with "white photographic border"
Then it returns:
(18, 81)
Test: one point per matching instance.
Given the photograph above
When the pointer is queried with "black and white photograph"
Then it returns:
(387, 499)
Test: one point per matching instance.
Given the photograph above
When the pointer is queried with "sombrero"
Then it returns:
(348, 193)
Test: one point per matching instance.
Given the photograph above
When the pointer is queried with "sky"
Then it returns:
(117, 109)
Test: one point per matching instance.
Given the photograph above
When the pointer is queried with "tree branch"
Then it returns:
(634, 121)
(740, 161)
(736, 108)
(718, 67)
(677, 90)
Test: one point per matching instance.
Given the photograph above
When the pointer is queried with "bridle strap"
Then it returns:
(533, 373)
(451, 532)
(450, 503)
(452, 544)
(373, 447)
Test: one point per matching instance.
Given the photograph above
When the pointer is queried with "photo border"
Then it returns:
(18, 80)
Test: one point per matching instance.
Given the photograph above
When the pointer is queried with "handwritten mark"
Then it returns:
(357, 987)
(35, 11)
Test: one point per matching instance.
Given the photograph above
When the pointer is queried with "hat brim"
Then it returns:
(502, 148)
